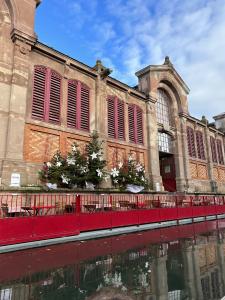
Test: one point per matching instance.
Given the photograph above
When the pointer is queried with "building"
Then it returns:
(49, 100)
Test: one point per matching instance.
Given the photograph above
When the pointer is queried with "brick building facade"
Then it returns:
(49, 100)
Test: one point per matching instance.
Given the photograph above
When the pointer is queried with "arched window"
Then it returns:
(191, 142)
(135, 119)
(116, 124)
(78, 105)
(163, 108)
(213, 149)
(220, 152)
(46, 95)
(200, 145)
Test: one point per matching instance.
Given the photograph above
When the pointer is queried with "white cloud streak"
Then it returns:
(129, 35)
(192, 33)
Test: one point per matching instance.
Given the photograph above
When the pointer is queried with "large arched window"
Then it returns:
(163, 108)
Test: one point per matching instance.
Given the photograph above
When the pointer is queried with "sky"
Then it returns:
(128, 35)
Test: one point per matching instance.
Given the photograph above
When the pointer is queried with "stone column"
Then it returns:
(198, 287)
(184, 179)
(100, 119)
(152, 142)
(159, 272)
(221, 264)
(209, 160)
(189, 271)
(13, 152)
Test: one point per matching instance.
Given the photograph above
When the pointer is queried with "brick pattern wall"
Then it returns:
(198, 170)
(41, 143)
(119, 153)
(207, 257)
(219, 174)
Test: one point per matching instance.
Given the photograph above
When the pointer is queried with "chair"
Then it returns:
(5, 210)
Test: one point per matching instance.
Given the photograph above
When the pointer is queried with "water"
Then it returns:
(185, 262)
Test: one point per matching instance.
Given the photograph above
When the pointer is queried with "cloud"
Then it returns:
(190, 32)
(129, 35)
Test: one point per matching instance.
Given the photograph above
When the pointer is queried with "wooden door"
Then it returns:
(168, 173)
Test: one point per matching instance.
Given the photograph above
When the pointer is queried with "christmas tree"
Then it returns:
(77, 167)
(54, 171)
(129, 173)
(95, 161)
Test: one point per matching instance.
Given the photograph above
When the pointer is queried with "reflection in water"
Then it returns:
(184, 268)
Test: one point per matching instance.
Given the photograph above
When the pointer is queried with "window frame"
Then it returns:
(163, 109)
(116, 118)
(191, 143)
(49, 72)
(136, 108)
(220, 155)
(78, 105)
(200, 145)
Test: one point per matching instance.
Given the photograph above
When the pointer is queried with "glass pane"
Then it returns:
(164, 142)
(162, 108)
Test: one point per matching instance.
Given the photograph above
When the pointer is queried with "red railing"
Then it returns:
(30, 217)
(25, 205)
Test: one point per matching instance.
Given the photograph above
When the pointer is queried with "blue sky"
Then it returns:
(130, 34)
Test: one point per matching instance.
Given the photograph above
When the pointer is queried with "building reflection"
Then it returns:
(191, 268)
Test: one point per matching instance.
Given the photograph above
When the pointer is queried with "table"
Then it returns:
(93, 207)
(90, 207)
(37, 210)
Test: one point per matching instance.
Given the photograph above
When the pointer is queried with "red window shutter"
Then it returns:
(220, 152)
(111, 118)
(139, 118)
(191, 142)
(39, 93)
(213, 149)
(131, 121)
(84, 107)
(200, 145)
(54, 97)
(72, 104)
(120, 116)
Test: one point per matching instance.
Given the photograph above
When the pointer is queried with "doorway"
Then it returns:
(168, 171)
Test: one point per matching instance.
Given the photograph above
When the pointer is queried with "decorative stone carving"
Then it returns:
(102, 70)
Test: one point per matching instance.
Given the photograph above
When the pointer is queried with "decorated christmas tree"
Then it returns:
(77, 168)
(129, 173)
(95, 161)
(54, 171)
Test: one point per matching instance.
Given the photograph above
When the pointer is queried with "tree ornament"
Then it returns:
(94, 155)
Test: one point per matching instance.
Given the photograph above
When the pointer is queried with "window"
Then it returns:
(116, 128)
(220, 152)
(213, 149)
(191, 142)
(164, 142)
(200, 145)
(215, 284)
(205, 283)
(46, 95)
(162, 108)
(135, 119)
(78, 105)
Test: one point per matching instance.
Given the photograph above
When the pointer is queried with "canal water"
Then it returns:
(185, 262)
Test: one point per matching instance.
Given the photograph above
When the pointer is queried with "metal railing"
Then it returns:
(42, 204)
